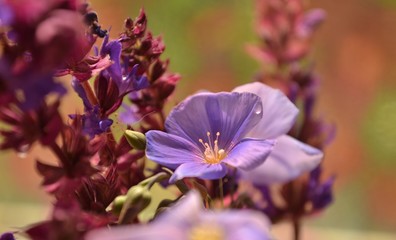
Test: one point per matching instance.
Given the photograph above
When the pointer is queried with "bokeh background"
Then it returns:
(355, 55)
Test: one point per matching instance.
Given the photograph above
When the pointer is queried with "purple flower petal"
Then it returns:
(200, 170)
(113, 49)
(138, 232)
(192, 201)
(7, 236)
(93, 123)
(279, 114)
(36, 90)
(230, 114)
(289, 159)
(132, 82)
(78, 88)
(245, 224)
(170, 150)
(105, 124)
(310, 22)
(321, 194)
(130, 114)
(6, 14)
(249, 153)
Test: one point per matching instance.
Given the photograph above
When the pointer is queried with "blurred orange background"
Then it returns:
(354, 53)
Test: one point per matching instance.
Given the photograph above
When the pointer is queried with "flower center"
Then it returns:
(206, 232)
(212, 153)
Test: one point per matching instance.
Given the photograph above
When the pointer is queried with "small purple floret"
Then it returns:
(320, 193)
(7, 236)
(93, 122)
(132, 81)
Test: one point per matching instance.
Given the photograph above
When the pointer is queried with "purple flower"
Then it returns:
(125, 84)
(207, 132)
(320, 194)
(6, 14)
(7, 236)
(93, 121)
(33, 86)
(188, 220)
(290, 157)
(94, 124)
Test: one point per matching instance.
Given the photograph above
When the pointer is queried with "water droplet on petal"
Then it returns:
(258, 109)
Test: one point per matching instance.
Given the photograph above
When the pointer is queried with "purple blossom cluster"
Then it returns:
(286, 30)
(207, 148)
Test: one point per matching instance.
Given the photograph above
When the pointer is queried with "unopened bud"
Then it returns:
(139, 195)
(118, 203)
(137, 199)
(136, 139)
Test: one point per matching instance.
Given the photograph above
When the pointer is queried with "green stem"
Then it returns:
(154, 179)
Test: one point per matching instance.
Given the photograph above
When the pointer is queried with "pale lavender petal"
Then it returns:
(279, 113)
(138, 232)
(181, 220)
(185, 211)
(289, 159)
(170, 150)
(130, 114)
(249, 153)
(231, 114)
(245, 224)
(199, 170)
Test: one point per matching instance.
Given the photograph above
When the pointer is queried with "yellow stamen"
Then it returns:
(206, 232)
(212, 153)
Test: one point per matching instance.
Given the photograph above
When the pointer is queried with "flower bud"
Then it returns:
(136, 139)
(137, 199)
(139, 195)
(118, 203)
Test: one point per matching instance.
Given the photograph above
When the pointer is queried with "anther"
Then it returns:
(212, 153)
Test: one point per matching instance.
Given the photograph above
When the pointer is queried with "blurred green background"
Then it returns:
(354, 53)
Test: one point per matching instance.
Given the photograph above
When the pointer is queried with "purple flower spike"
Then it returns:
(188, 220)
(290, 157)
(207, 132)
